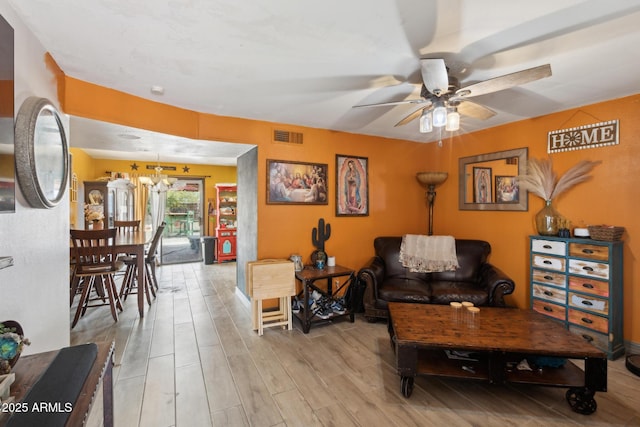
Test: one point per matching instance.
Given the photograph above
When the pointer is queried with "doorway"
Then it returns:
(184, 213)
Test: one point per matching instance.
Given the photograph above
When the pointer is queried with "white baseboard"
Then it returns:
(243, 298)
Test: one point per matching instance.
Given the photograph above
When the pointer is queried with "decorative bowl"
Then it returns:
(427, 179)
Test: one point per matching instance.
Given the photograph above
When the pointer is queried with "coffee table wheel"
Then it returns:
(406, 386)
(581, 400)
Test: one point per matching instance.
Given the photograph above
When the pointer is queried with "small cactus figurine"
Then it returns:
(318, 237)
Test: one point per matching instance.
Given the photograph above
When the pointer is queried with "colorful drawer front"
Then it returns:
(550, 247)
(599, 340)
(590, 286)
(588, 320)
(548, 293)
(549, 262)
(597, 270)
(582, 250)
(595, 305)
(549, 309)
(549, 278)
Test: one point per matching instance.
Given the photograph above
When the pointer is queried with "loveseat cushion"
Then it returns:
(388, 249)
(395, 289)
(444, 291)
(471, 255)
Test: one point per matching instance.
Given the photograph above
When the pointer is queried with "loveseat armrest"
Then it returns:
(497, 283)
(371, 275)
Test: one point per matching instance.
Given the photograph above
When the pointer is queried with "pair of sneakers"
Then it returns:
(296, 305)
(338, 306)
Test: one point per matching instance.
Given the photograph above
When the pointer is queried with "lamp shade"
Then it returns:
(425, 121)
(453, 120)
(439, 116)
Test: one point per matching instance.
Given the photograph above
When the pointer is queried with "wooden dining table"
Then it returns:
(133, 243)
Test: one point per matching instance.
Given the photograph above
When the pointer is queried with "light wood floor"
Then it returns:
(193, 360)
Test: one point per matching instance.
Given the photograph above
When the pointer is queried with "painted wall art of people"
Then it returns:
(352, 186)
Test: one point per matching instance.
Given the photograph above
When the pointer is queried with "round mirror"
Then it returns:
(41, 153)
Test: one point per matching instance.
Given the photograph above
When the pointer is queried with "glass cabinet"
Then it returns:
(113, 199)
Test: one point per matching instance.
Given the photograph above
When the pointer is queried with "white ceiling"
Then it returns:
(308, 62)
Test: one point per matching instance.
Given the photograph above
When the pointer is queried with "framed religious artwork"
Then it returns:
(299, 183)
(352, 185)
(507, 189)
(482, 185)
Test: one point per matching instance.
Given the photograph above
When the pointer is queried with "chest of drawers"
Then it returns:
(579, 282)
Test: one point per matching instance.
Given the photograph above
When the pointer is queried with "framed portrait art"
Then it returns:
(507, 190)
(352, 186)
(482, 185)
(296, 183)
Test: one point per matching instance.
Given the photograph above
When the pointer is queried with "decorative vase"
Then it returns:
(548, 220)
(98, 225)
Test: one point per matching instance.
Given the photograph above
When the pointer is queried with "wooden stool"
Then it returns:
(271, 279)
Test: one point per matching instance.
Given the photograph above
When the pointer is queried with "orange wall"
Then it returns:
(397, 203)
(610, 197)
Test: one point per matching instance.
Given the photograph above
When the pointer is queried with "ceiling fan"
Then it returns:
(442, 99)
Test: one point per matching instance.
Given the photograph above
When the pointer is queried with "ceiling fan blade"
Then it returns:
(412, 116)
(389, 104)
(477, 111)
(434, 76)
(503, 82)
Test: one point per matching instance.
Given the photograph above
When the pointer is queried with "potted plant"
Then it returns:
(12, 341)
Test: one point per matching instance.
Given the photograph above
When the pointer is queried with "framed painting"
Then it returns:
(297, 183)
(482, 185)
(352, 186)
(507, 190)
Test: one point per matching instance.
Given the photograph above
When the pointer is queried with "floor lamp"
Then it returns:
(430, 180)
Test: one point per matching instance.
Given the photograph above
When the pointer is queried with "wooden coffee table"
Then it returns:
(499, 339)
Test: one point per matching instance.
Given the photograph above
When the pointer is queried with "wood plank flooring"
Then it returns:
(193, 360)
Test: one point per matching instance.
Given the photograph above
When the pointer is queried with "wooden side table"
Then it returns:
(309, 275)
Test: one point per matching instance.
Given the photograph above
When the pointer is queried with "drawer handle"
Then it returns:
(548, 309)
(548, 277)
(586, 302)
(585, 320)
(546, 261)
(587, 285)
(547, 246)
(587, 251)
(548, 293)
(587, 268)
(587, 337)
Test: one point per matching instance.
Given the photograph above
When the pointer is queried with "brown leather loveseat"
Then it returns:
(475, 280)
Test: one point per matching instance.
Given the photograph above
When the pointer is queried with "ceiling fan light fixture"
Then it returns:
(439, 116)
(453, 120)
(425, 121)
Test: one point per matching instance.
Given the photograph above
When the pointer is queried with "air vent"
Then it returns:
(287, 137)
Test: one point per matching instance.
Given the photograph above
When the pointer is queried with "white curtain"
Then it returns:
(158, 196)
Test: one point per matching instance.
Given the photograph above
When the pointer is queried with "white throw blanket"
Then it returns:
(425, 254)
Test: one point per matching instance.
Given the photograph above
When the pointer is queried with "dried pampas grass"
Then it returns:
(540, 179)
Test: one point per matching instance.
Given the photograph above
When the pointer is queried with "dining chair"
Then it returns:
(96, 263)
(127, 226)
(150, 285)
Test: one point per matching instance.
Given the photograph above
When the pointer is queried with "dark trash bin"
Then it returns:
(209, 244)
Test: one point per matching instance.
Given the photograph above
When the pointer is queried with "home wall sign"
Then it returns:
(581, 137)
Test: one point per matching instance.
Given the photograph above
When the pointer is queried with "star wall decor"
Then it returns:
(185, 169)
(134, 167)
